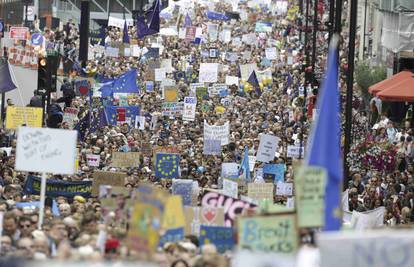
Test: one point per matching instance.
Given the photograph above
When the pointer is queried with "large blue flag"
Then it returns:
(149, 24)
(82, 126)
(6, 82)
(125, 38)
(216, 16)
(324, 148)
(117, 115)
(100, 121)
(166, 165)
(126, 83)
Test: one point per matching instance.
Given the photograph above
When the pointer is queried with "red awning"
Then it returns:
(391, 81)
(400, 92)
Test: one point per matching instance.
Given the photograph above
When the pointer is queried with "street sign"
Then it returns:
(18, 33)
(37, 39)
(1, 29)
(30, 13)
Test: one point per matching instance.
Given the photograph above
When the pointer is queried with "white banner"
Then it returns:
(368, 219)
(221, 133)
(93, 160)
(189, 110)
(208, 73)
(267, 147)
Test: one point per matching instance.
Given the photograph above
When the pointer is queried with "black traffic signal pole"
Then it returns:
(349, 89)
(331, 26)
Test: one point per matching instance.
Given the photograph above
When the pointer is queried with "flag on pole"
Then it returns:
(324, 148)
(126, 83)
(244, 166)
(125, 38)
(149, 24)
(6, 81)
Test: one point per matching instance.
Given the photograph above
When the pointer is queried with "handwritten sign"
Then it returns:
(383, 248)
(125, 159)
(310, 192)
(93, 160)
(230, 170)
(221, 237)
(107, 178)
(275, 233)
(294, 151)
(19, 33)
(217, 132)
(19, 116)
(172, 108)
(267, 147)
(208, 72)
(46, 150)
(232, 207)
(284, 189)
(212, 147)
(259, 191)
(189, 110)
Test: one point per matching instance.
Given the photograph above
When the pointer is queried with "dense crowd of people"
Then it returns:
(75, 228)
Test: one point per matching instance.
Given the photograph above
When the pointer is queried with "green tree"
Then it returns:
(365, 76)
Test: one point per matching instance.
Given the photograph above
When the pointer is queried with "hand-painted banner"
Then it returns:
(57, 188)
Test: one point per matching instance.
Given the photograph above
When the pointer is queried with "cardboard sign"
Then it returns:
(93, 160)
(230, 188)
(189, 111)
(380, 248)
(284, 189)
(232, 207)
(259, 191)
(125, 159)
(19, 116)
(107, 178)
(267, 148)
(208, 72)
(217, 132)
(221, 237)
(294, 151)
(276, 233)
(170, 94)
(46, 150)
(197, 216)
(173, 216)
(310, 193)
(19, 33)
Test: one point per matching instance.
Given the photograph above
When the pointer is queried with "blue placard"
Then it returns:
(37, 39)
(172, 235)
(166, 165)
(274, 172)
(221, 237)
(183, 188)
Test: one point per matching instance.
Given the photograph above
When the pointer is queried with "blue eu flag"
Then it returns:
(166, 165)
(126, 83)
(116, 115)
(6, 82)
(324, 148)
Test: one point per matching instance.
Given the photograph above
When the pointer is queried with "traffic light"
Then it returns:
(42, 75)
(53, 65)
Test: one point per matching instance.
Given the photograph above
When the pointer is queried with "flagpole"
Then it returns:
(349, 90)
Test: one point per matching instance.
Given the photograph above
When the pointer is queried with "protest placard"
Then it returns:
(19, 116)
(140, 122)
(232, 207)
(208, 73)
(294, 151)
(263, 27)
(189, 110)
(230, 170)
(212, 31)
(201, 92)
(166, 64)
(190, 33)
(230, 80)
(172, 108)
(274, 172)
(170, 94)
(70, 116)
(230, 188)
(380, 248)
(281, 234)
(246, 70)
(160, 74)
(271, 53)
(212, 147)
(284, 189)
(125, 159)
(197, 216)
(112, 52)
(171, 236)
(107, 178)
(116, 22)
(93, 160)
(173, 216)
(57, 188)
(183, 188)
(259, 191)
(166, 165)
(221, 237)
(46, 150)
(267, 147)
(310, 193)
(366, 220)
(217, 132)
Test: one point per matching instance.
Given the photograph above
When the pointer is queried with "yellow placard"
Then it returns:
(173, 213)
(28, 116)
